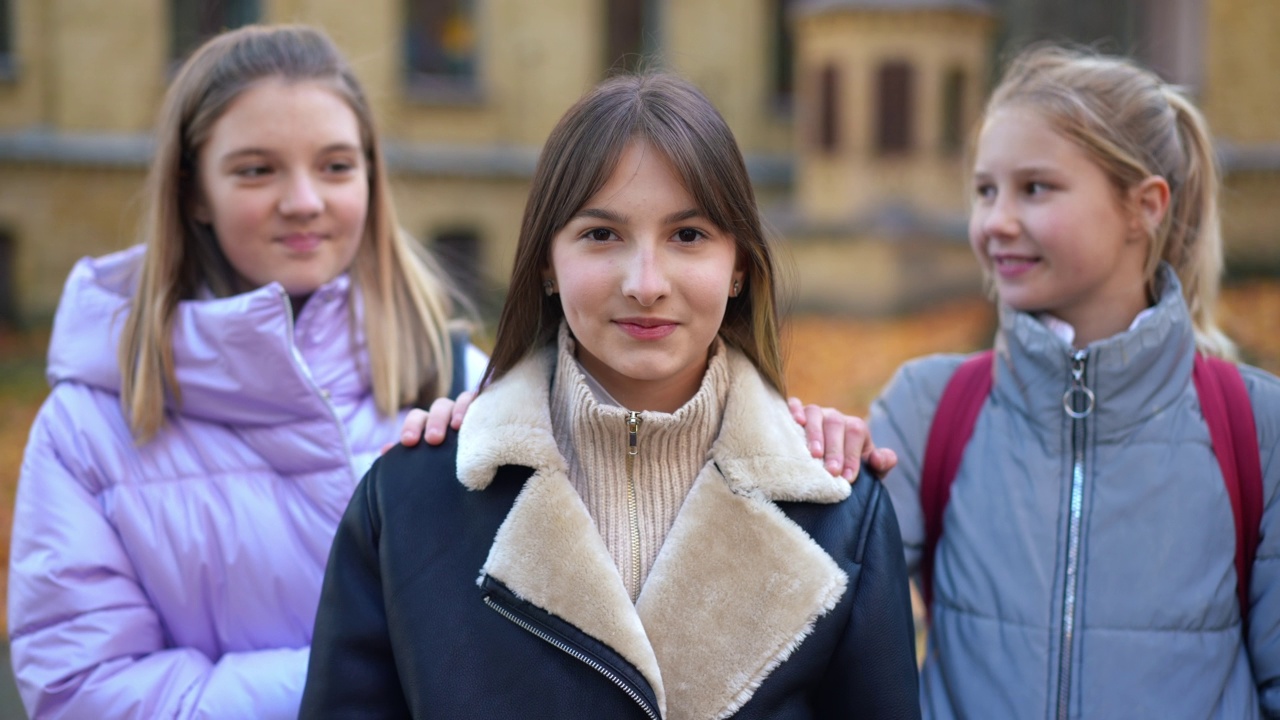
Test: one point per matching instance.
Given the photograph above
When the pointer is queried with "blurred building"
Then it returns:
(853, 115)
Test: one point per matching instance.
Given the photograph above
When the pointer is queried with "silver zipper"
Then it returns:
(576, 654)
(1078, 402)
(633, 512)
(324, 394)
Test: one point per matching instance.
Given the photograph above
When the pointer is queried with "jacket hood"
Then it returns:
(235, 358)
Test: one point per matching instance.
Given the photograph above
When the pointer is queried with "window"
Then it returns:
(630, 36)
(894, 123)
(441, 47)
(953, 111)
(784, 49)
(8, 289)
(458, 251)
(8, 65)
(194, 21)
(827, 137)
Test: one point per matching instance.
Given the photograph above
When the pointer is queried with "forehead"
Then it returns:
(1017, 133)
(277, 113)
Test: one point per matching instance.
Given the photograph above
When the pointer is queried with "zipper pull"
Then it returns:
(633, 433)
(1078, 395)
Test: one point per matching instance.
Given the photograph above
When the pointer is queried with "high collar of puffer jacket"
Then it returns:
(238, 360)
(1133, 374)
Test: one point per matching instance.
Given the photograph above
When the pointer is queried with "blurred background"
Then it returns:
(854, 116)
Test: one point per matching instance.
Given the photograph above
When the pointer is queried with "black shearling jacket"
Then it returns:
(468, 581)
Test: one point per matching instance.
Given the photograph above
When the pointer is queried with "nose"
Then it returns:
(646, 278)
(999, 217)
(301, 197)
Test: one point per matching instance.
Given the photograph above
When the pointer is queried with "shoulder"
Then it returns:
(417, 485)
(912, 394)
(843, 528)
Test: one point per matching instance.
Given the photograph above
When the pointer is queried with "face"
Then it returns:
(284, 183)
(1051, 229)
(644, 279)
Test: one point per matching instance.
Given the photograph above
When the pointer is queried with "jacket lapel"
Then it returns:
(548, 550)
(738, 585)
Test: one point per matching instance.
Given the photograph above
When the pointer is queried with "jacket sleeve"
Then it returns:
(353, 671)
(1264, 585)
(874, 669)
(900, 420)
(85, 640)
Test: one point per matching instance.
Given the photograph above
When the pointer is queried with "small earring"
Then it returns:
(737, 288)
(549, 287)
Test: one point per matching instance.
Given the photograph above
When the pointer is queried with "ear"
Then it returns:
(1149, 201)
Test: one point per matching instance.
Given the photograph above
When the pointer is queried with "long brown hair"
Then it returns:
(1134, 125)
(674, 118)
(406, 303)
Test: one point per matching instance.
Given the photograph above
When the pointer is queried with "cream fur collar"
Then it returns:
(737, 585)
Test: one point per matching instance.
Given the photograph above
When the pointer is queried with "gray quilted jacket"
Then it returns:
(1086, 566)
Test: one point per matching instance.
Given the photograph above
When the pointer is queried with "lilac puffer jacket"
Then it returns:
(180, 578)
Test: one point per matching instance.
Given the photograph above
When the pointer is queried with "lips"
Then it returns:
(1009, 266)
(301, 242)
(646, 328)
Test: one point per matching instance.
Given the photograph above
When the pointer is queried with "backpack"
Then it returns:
(1227, 410)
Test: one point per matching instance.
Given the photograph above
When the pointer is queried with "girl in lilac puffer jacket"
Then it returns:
(217, 393)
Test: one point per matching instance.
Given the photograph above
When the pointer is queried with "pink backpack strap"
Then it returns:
(1228, 412)
(953, 424)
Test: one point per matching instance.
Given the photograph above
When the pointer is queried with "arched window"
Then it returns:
(441, 47)
(8, 64)
(784, 49)
(194, 21)
(458, 251)
(8, 274)
(953, 111)
(827, 135)
(894, 131)
(631, 34)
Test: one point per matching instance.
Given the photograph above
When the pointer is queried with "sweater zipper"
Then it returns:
(1077, 402)
(578, 654)
(633, 513)
(321, 392)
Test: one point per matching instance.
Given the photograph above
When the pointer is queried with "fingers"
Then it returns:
(857, 446)
(797, 410)
(834, 431)
(882, 460)
(460, 408)
(414, 425)
(438, 420)
(814, 433)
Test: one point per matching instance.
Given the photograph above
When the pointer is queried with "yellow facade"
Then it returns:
(855, 179)
(74, 122)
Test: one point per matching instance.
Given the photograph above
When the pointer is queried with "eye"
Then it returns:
(600, 234)
(984, 190)
(1035, 187)
(689, 235)
(340, 166)
(252, 171)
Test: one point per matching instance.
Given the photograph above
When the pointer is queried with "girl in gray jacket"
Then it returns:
(1086, 566)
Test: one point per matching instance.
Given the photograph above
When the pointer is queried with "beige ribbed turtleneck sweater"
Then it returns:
(671, 448)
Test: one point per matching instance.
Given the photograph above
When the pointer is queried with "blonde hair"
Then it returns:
(406, 303)
(675, 119)
(1134, 126)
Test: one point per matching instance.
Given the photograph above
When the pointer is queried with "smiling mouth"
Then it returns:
(646, 328)
(1013, 265)
(302, 242)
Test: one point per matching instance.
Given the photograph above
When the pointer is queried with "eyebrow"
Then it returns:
(613, 217)
(250, 151)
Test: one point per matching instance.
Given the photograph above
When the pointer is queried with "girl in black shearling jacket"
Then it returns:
(636, 528)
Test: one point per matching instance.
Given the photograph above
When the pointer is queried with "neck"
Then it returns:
(667, 394)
